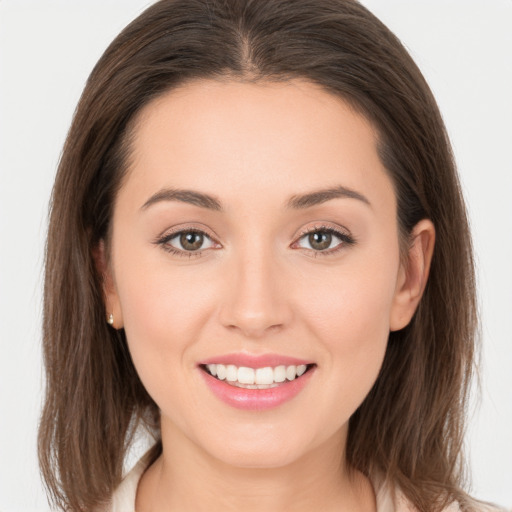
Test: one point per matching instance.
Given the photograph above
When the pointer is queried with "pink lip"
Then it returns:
(255, 361)
(256, 399)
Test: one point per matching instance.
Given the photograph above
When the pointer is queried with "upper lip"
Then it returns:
(255, 361)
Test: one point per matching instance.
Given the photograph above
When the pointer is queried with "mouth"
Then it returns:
(267, 377)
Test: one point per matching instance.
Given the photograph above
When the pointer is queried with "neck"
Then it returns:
(185, 478)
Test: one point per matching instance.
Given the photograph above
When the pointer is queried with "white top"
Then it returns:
(123, 499)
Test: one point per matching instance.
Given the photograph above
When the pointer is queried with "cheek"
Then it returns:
(350, 318)
(352, 303)
(162, 304)
(164, 310)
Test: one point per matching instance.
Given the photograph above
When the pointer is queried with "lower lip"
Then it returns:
(256, 399)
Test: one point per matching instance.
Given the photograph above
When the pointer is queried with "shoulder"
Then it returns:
(123, 499)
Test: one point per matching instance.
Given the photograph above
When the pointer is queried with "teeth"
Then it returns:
(259, 378)
(291, 372)
(280, 374)
(264, 376)
(231, 373)
(301, 369)
(221, 372)
(245, 375)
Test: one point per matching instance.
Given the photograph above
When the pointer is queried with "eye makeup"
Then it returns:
(323, 240)
(187, 242)
(319, 240)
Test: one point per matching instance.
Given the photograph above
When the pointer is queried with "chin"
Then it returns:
(267, 447)
(259, 457)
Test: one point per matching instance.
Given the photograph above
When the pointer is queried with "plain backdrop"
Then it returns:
(48, 48)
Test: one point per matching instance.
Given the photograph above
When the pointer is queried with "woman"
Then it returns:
(258, 249)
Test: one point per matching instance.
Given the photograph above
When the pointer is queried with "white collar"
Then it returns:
(124, 496)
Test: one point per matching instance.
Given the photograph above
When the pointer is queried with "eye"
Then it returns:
(186, 241)
(326, 240)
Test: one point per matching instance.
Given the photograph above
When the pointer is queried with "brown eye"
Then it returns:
(187, 242)
(320, 240)
(191, 241)
(324, 240)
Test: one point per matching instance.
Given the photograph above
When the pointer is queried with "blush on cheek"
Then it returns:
(357, 312)
(163, 314)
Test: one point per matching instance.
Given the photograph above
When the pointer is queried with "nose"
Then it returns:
(256, 301)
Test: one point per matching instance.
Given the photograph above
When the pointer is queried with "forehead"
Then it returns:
(230, 137)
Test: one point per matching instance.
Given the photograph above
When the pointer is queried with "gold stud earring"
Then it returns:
(110, 319)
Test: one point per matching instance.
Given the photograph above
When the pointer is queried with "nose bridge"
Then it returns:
(255, 301)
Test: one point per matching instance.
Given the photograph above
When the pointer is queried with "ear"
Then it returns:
(413, 275)
(110, 296)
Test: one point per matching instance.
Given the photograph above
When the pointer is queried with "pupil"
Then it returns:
(191, 241)
(320, 240)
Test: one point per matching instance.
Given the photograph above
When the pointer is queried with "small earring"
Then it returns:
(110, 319)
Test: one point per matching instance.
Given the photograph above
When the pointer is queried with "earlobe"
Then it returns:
(413, 275)
(113, 313)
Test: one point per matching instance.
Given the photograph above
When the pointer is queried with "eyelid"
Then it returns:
(167, 235)
(187, 227)
(340, 232)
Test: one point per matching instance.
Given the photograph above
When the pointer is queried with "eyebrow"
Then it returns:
(317, 197)
(296, 202)
(185, 196)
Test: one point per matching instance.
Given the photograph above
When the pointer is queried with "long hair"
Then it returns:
(410, 426)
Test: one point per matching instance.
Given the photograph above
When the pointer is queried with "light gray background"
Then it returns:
(48, 48)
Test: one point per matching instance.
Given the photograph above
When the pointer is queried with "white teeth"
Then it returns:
(231, 373)
(254, 386)
(280, 374)
(221, 372)
(245, 375)
(291, 372)
(259, 378)
(264, 375)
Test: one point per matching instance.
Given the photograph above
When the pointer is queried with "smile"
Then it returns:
(255, 378)
(256, 384)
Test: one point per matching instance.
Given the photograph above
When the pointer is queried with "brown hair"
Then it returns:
(410, 426)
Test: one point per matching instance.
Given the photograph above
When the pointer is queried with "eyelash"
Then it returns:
(164, 242)
(346, 240)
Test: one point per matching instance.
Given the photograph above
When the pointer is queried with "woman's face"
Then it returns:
(256, 232)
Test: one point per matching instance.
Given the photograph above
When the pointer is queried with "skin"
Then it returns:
(258, 288)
